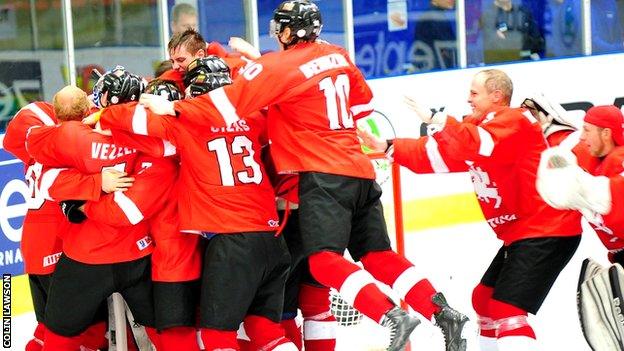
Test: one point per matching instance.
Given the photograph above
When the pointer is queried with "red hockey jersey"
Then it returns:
(226, 189)
(40, 245)
(73, 144)
(501, 151)
(152, 197)
(314, 93)
(286, 185)
(33, 114)
(610, 227)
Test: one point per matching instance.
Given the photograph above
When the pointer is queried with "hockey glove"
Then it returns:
(72, 212)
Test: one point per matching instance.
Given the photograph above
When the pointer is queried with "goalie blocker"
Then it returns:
(599, 300)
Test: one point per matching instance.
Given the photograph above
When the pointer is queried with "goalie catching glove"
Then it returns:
(564, 185)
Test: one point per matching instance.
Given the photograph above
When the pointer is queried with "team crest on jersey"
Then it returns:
(486, 189)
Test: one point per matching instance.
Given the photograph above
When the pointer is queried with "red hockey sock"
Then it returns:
(179, 338)
(154, 337)
(510, 320)
(36, 343)
(293, 332)
(94, 337)
(244, 345)
(243, 340)
(264, 333)
(355, 285)
(56, 342)
(396, 271)
(219, 339)
(481, 297)
(318, 323)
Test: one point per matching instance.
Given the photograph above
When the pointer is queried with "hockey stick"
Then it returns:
(118, 337)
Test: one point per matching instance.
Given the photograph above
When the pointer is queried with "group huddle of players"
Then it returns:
(223, 192)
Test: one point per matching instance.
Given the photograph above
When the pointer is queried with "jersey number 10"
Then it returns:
(336, 94)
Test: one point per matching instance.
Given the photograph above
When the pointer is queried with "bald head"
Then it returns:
(493, 80)
(70, 104)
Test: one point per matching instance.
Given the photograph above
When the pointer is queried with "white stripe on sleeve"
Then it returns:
(47, 179)
(224, 106)
(529, 116)
(435, 158)
(139, 120)
(357, 109)
(43, 117)
(486, 146)
(128, 207)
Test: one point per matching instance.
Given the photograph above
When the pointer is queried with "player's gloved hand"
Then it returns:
(426, 115)
(71, 210)
(244, 47)
(557, 180)
(157, 104)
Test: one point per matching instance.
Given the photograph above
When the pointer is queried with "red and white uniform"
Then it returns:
(286, 185)
(225, 187)
(610, 227)
(73, 144)
(312, 108)
(41, 247)
(152, 197)
(501, 151)
(235, 62)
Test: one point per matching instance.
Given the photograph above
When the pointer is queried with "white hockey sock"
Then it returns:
(487, 343)
(516, 343)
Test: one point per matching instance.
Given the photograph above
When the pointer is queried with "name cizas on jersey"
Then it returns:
(238, 126)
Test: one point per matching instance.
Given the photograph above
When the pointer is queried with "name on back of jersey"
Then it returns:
(236, 127)
(322, 64)
(105, 151)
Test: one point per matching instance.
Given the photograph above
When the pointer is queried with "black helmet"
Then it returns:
(301, 16)
(204, 83)
(206, 66)
(121, 86)
(164, 88)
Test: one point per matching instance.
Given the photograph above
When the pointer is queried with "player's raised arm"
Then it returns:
(259, 85)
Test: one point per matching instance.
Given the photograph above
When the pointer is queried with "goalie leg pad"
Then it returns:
(599, 304)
